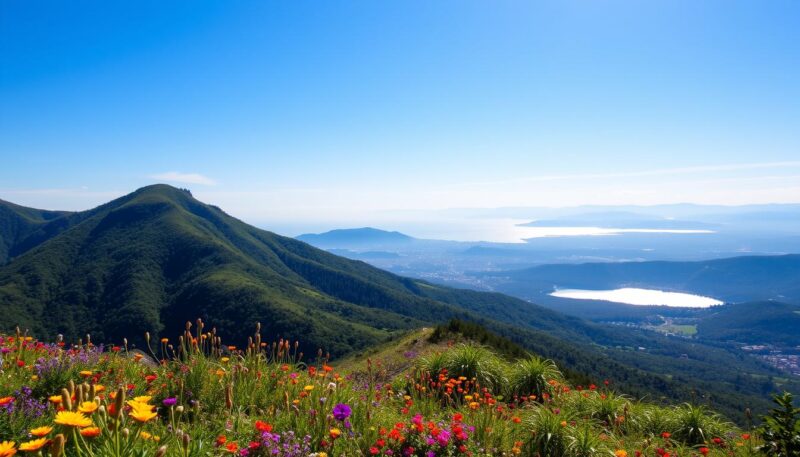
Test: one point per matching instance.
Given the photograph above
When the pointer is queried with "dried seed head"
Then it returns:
(57, 448)
(66, 399)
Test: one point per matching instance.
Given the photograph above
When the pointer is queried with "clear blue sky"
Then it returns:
(295, 109)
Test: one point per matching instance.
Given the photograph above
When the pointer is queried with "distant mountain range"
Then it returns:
(355, 238)
(156, 258)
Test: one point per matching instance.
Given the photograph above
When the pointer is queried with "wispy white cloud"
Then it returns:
(184, 178)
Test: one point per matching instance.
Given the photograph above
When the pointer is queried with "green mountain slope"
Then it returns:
(151, 260)
(767, 322)
(19, 225)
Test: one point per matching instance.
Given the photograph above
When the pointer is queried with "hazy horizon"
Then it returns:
(293, 113)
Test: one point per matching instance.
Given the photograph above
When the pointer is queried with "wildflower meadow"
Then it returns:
(196, 396)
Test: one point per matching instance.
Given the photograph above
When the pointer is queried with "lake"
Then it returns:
(640, 297)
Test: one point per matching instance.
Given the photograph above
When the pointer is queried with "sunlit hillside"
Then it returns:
(434, 392)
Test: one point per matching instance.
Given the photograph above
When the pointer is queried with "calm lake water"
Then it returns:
(641, 297)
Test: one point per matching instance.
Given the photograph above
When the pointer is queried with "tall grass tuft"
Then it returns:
(532, 376)
(695, 424)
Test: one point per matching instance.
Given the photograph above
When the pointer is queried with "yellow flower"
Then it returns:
(140, 406)
(142, 399)
(55, 399)
(142, 415)
(148, 436)
(99, 388)
(33, 445)
(41, 431)
(474, 405)
(88, 407)
(7, 449)
(335, 433)
(621, 453)
(86, 373)
(308, 388)
(72, 419)
(224, 359)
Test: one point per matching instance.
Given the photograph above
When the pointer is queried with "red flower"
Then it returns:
(704, 450)
(262, 426)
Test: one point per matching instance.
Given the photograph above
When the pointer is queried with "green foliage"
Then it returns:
(532, 375)
(550, 436)
(585, 442)
(470, 361)
(695, 424)
(781, 429)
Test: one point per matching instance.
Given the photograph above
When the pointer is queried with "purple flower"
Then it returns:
(170, 401)
(341, 412)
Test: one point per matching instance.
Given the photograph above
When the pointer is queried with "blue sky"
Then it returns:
(335, 111)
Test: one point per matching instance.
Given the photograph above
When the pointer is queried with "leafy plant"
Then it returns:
(532, 376)
(781, 429)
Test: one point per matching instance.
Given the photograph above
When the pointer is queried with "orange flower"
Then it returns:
(41, 431)
(90, 432)
(335, 433)
(7, 448)
(6, 400)
(262, 426)
(33, 445)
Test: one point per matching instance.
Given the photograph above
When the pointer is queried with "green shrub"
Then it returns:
(781, 429)
(532, 376)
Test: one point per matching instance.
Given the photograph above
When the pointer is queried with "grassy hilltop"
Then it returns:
(433, 392)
